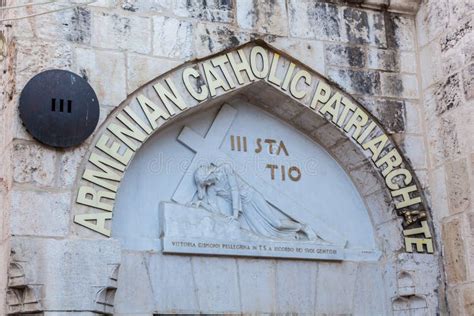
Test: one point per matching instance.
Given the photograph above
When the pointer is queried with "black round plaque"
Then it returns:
(59, 108)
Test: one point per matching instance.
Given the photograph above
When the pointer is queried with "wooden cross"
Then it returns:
(207, 151)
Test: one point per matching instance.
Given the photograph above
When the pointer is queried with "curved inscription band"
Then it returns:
(192, 84)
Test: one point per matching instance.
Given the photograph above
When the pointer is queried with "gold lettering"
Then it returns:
(213, 79)
(366, 132)
(99, 219)
(114, 150)
(156, 112)
(376, 145)
(294, 82)
(358, 119)
(322, 94)
(259, 73)
(272, 76)
(397, 172)
(282, 147)
(198, 95)
(132, 131)
(407, 199)
(392, 159)
(329, 108)
(172, 95)
(419, 242)
(272, 170)
(424, 229)
(137, 120)
(293, 177)
(348, 106)
(105, 165)
(288, 75)
(90, 197)
(221, 62)
(242, 66)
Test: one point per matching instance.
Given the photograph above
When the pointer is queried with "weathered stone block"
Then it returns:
(431, 20)
(142, 69)
(105, 71)
(431, 66)
(72, 25)
(454, 36)
(328, 135)
(414, 149)
(348, 154)
(400, 32)
(468, 298)
(392, 114)
(468, 81)
(383, 59)
(34, 164)
(169, 269)
(444, 139)
(310, 53)
(407, 61)
(39, 213)
(134, 292)
(454, 259)
(262, 16)
(338, 279)
(309, 19)
(295, 286)
(451, 61)
(147, 6)
(34, 56)
(458, 186)
(112, 31)
(209, 10)
(389, 237)
(438, 193)
(381, 207)
(399, 85)
(70, 272)
(370, 275)
(341, 55)
(449, 94)
(210, 282)
(105, 3)
(213, 38)
(70, 160)
(172, 38)
(357, 81)
(367, 179)
(257, 285)
(459, 9)
(364, 27)
(308, 123)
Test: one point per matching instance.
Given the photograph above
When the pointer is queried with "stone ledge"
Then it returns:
(401, 6)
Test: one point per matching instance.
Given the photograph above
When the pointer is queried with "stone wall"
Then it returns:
(446, 54)
(413, 73)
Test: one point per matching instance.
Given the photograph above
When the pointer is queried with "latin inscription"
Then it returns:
(204, 80)
(260, 249)
(271, 147)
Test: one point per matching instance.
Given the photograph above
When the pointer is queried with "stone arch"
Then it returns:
(260, 72)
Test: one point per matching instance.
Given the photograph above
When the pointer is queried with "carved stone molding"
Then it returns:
(21, 296)
(104, 302)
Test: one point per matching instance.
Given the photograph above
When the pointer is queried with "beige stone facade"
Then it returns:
(408, 63)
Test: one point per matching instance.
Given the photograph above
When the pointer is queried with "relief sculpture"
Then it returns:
(248, 207)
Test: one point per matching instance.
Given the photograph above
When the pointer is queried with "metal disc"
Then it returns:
(59, 108)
